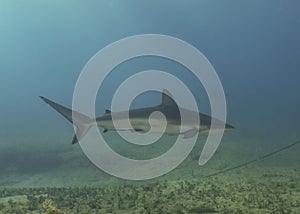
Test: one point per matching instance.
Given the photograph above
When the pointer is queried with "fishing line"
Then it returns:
(260, 158)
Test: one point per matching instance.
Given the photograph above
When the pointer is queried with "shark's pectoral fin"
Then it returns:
(190, 133)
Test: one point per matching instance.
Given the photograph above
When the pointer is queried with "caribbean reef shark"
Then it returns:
(139, 119)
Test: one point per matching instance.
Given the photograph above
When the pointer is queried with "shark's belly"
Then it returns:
(145, 125)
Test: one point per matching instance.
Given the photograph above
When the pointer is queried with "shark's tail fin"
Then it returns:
(81, 121)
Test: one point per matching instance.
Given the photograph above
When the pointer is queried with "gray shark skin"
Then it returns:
(139, 119)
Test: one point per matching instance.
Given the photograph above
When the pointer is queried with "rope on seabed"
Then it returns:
(254, 160)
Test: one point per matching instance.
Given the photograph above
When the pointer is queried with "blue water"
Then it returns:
(254, 47)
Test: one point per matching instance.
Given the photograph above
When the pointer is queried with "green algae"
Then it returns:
(183, 196)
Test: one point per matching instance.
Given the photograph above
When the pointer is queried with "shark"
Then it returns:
(139, 119)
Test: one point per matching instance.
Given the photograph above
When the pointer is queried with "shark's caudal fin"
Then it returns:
(81, 121)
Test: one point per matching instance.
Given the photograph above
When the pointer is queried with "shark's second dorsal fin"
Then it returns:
(167, 99)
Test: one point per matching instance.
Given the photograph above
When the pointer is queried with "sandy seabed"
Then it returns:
(76, 186)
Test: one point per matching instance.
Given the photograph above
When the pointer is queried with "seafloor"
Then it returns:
(71, 184)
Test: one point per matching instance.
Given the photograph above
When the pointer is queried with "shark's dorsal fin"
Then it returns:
(107, 111)
(167, 99)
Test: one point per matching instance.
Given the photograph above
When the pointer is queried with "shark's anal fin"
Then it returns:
(75, 140)
(190, 133)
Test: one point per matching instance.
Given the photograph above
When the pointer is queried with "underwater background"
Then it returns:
(254, 47)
